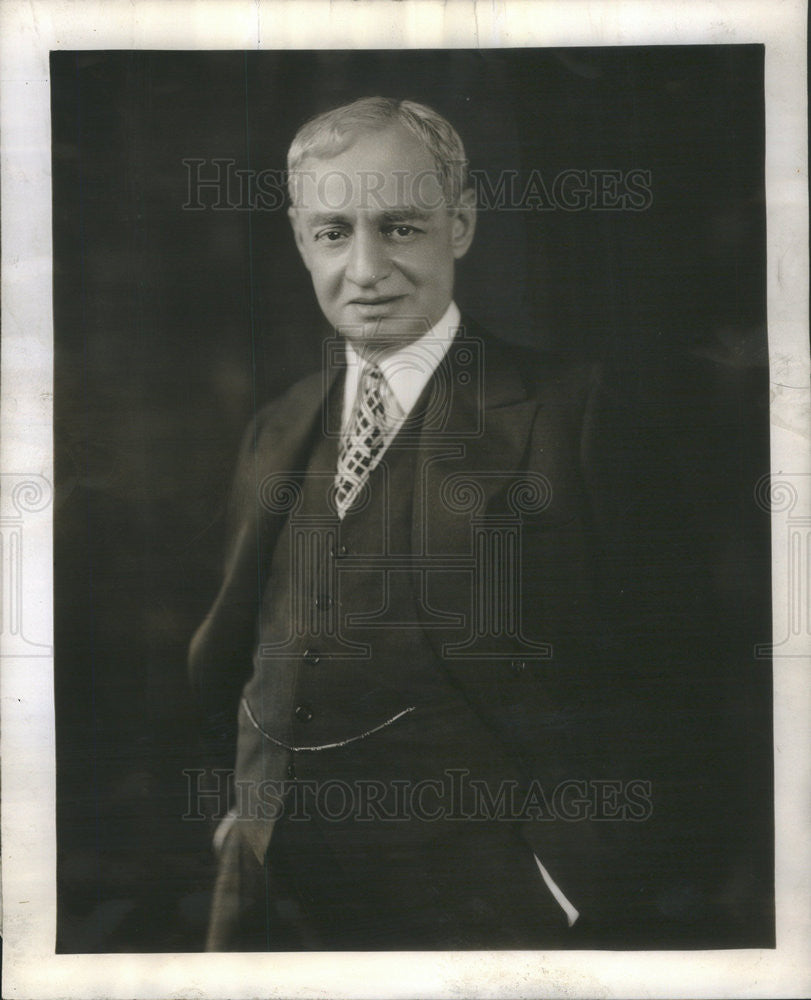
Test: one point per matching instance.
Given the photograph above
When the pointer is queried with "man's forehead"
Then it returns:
(373, 194)
(388, 170)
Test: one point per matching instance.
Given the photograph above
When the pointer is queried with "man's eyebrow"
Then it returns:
(326, 219)
(407, 212)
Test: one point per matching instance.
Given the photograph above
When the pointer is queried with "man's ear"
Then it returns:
(298, 232)
(463, 223)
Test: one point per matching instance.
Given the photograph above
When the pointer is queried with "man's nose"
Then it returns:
(368, 260)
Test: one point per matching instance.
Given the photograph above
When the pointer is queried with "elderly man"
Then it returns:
(407, 580)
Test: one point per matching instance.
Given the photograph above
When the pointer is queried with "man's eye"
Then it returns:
(402, 232)
(330, 235)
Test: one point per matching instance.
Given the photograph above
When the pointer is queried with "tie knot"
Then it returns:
(372, 376)
(375, 394)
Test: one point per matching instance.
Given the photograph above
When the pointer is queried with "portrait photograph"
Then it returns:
(425, 565)
(616, 276)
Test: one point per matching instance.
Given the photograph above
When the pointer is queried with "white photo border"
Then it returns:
(28, 32)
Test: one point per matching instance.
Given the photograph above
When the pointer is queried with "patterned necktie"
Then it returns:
(361, 448)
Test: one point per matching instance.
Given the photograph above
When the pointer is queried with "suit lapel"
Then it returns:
(283, 447)
(467, 458)
(468, 454)
(273, 461)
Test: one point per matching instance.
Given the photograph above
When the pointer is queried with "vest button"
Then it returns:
(323, 602)
(304, 713)
(291, 770)
(311, 657)
(518, 666)
(336, 551)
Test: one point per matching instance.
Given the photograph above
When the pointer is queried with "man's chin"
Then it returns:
(385, 331)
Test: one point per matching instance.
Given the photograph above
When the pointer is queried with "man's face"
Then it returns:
(378, 239)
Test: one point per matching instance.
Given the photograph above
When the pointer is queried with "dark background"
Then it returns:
(172, 326)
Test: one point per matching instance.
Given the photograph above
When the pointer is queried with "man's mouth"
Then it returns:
(378, 301)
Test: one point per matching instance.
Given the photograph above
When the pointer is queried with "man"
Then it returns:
(408, 580)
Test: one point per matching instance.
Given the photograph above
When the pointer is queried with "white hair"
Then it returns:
(331, 132)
